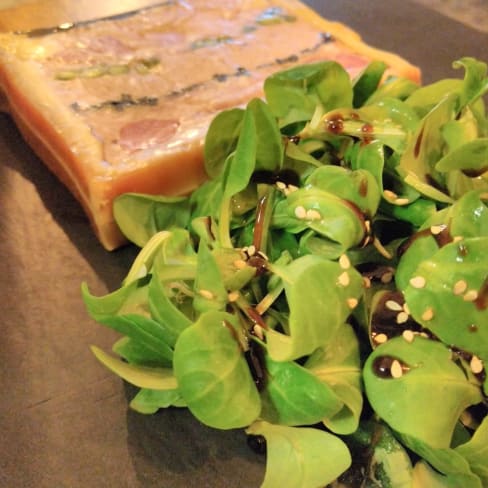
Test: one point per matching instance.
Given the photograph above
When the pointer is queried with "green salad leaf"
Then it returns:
(149, 401)
(142, 376)
(312, 457)
(212, 375)
(293, 95)
(337, 364)
(475, 451)
(451, 468)
(141, 216)
(422, 369)
(295, 396)
(312, 322)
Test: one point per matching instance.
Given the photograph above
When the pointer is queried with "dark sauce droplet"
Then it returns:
(363, 188)
(389, 317)
(389, 367)
(444, 237)
(258, 262)
(418, 143)
(367, 129)
(474, 173)
(232, 331)
(255, 361)
(433, 182)
(287, 176)
(382, 366)
(335, 124)
(254, 355)
(482, 301)
(462, 250)
(257, 443)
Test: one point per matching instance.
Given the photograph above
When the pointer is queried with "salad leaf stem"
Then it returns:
(224, 224)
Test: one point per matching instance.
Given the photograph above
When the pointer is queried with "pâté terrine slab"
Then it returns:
(122, 104)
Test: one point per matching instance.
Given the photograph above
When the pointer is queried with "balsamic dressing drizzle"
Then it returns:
(255, 360)
(441, 238)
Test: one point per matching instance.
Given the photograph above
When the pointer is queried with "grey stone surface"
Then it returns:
(473, 13)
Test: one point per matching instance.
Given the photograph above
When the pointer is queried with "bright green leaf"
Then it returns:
(301, 457)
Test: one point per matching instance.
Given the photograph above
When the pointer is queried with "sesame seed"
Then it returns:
(262, 255)
(344, 262)
(142, 271)
(291, 188)
(352, 303)
(206, 294)
(417, 281)
(240, 263)
(406, 308)
(428, 314)
(437, 229)
(457, 238)
(367, 225)
(386, 277)
(280, 185)
(251, 250)
(380, 338)
(467, 419)
(367, 282)
(470, 296)
(408, 335)
(258, 331)
(402, 317)
(392, 305)
(313, 214)
(344, 279)
(459, 287)
(476, 365)
(300, 212)
(233, 296)
(396, 369)
(390, 194)
(402, 201)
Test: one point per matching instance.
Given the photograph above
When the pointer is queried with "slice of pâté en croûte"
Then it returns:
(123, 104)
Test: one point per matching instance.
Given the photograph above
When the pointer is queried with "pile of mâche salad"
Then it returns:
(327, 288)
